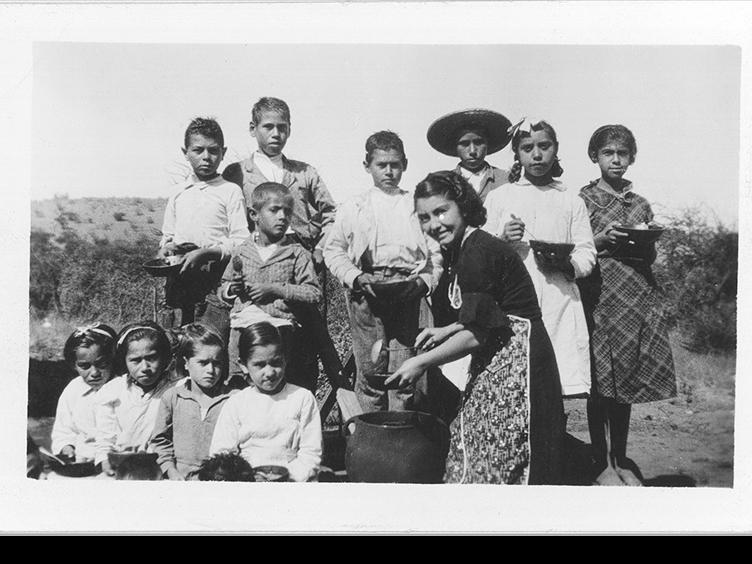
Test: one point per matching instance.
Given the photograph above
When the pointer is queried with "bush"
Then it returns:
(697, 268)
(119, 216)
(46, 260)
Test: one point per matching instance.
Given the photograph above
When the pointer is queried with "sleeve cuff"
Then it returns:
(350, 277)
(481, 310)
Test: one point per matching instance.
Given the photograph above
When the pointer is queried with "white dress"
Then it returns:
(553, 213)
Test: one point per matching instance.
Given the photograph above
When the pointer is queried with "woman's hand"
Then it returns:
(433, 336)
(407, 374)
(513, 230)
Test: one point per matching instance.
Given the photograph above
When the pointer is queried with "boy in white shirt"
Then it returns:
(376, 237)
(209, 213)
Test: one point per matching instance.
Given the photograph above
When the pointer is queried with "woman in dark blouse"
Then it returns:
(509, 426)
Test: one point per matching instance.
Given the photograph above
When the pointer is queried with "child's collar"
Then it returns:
(556, 184)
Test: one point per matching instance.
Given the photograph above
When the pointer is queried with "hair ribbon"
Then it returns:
(131, 330)
(93, 328)
(525, 125)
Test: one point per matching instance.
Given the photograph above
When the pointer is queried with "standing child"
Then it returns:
(272, 421)
(632, 360)
(270, 278)
(313, 208)
(209, 213)
(471, 135)
(538, 207)
(189, 411)
(89, 350)
(127, 405)
(377, 238)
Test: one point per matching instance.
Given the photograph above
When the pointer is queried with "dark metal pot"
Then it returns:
(396, 447)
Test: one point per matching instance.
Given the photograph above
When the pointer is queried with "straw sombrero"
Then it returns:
(443, 133)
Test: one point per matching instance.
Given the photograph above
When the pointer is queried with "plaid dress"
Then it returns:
(631, 355)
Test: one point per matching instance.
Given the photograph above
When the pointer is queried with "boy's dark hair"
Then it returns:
(225, 467)
(454, 187)
(135, 332)
(192, 336)
(208, 127)
(516, 172)
(263, 192)
(257, 335)
(269, 104)
(608, 134)
(96, 334)
(385, 141)
(138, 468)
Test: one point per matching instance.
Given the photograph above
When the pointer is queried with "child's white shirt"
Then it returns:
(206, 213)
(271, 167)
(282, 429)
(394, 243)
(125, 415)
(75, 422)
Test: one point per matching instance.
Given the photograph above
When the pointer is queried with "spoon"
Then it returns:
(48, 454)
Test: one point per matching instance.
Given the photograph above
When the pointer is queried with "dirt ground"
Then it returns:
(686, 441)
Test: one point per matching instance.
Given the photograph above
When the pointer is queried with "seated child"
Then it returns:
(269, 278)
(189, 410)
(89, 350)
(272, 421)
(471, 135)
(127, 405)
(138, 468)
(224, 467)
(377, 237)
(209, 213)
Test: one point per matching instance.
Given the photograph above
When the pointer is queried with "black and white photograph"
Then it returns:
(421, 277)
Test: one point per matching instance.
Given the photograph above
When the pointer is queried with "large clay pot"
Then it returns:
(396, 446)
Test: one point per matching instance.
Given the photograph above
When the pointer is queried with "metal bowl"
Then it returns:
(271, 473)
(117, 458)
(74, 469)
(160, 267)
(548, 254)
(641, 236)
(390, 288)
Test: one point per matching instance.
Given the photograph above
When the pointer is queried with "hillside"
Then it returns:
(95, 219)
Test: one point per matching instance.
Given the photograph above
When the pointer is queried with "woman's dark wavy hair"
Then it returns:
(516, 172)
(192, 336)
(97, 334)
(137, 331)
(454, 187)
(257, 335)
(606, 134)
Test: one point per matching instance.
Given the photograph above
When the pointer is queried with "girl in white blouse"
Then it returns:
(536, 206)
(271, 421)
(127, 406)
(89, 350)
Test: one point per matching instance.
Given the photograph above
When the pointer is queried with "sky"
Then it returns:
(108, 119)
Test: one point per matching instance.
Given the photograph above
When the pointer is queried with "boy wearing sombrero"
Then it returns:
(471, 135)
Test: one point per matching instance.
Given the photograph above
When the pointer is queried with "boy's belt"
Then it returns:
(390, 270)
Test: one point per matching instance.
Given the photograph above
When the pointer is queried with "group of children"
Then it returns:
(255, 244)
